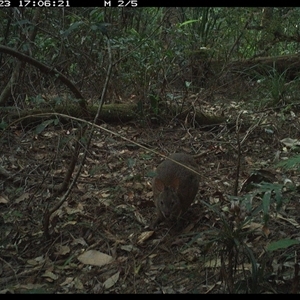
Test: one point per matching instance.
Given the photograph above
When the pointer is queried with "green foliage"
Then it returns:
(3, 125)
(290, 163)
(14, 215)
(154, 102)
(231, 236)
(275, 84)
(271, 193)
(35, 101)
(265, 195)
(282, 244)
(204, 20)
(153, 48)
(41, 127)
(231, 239)
(274, 88)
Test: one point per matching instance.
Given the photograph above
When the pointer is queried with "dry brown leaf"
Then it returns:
(71, 210)
(98, 144)
(249, 160)
(36, 261)
(22, 197)
(6, 291)
(129, 196)
(32, 262)
(140, 218)
(28, 286)
(144, 236)
(111, 281)
(192, 254)
(79, 241)
(188, 228)
(105, 195)
(50, 276)
(289, 220)
(62, 250)
(78, 284)
(266, 230)
(290, 142)
(68, 223)
(254, 226)
(67, 281)
(138, 186)
(113, 237)
(95, 258)
(128, 248)
(149, 194)
(3, 199)
(122, 259)
(213, 263)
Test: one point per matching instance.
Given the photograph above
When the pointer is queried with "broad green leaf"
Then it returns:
(282, 244)
(188, 22)
(41, 127)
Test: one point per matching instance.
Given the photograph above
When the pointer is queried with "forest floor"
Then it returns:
(100, 241)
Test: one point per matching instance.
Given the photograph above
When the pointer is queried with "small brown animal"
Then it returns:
(174, 187)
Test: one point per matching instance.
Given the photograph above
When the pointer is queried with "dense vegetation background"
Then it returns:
(89, 98)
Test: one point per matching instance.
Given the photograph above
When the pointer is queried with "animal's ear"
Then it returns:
(158, 185)
(175, 183)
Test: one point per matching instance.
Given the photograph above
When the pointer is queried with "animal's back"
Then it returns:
(175, 183)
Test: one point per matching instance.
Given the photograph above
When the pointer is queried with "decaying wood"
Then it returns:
(114, 113)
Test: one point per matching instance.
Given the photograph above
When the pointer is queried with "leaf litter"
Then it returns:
(100, 239)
